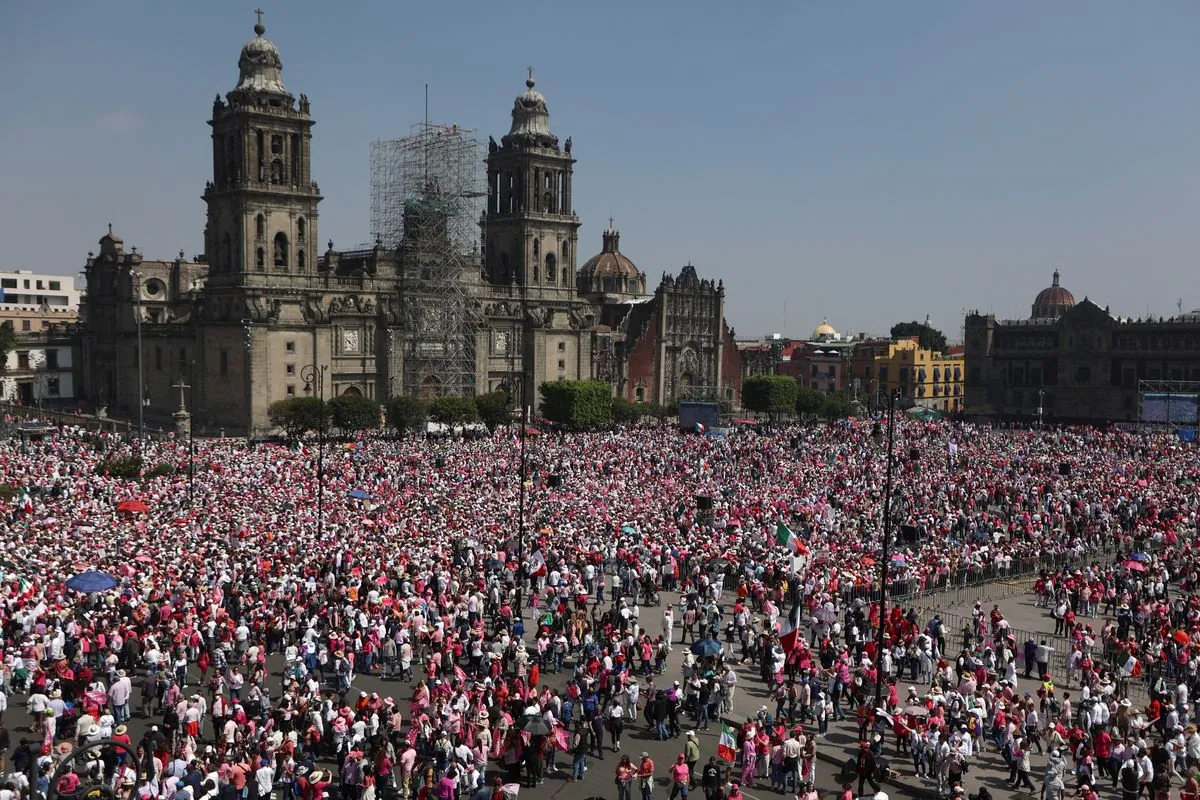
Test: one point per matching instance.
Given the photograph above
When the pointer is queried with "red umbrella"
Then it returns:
(1136, 566)
(133, 507)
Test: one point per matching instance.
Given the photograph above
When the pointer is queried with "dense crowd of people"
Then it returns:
(234, 654)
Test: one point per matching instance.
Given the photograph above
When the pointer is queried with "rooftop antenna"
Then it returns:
(1179, 305)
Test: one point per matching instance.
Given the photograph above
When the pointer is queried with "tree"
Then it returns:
(354, 412)
(495, 408)
(406, 413)
(577, 404)
(453, 410)
(299, 414)
(928, 337)
(8, 343)
(625, 411)
(770, 394)
(837, 405)
(809, 402)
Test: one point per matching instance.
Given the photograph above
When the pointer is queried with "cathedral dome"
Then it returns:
(823, 331)
(610, 272)
(1053, 301)
(260, 72)
(530, 120)
(610, 263)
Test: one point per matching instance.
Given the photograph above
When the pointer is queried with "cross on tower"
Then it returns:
(530, 72)
(259, 13)
(610, 223)
(181, 386)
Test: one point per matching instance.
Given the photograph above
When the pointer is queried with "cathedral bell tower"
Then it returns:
(531, 226)
(262, 202)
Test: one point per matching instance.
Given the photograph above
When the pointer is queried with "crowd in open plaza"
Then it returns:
(401, 638)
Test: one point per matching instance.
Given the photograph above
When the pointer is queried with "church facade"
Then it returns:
(264, 315)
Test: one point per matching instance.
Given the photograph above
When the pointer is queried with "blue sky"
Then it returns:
(865, 162)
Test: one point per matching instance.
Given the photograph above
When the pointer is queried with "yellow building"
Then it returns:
(925, 378)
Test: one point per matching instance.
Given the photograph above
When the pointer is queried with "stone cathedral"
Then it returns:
(247, 323)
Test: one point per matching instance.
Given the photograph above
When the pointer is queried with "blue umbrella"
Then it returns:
(91, 581)
(627, 528)
(359, 494)
(706, 648)
(1140, 557)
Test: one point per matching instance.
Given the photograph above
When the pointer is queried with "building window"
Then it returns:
(536, 247)
(291, 390)
(566, 248)
(25, 325)
(301, 261)
(55, 286)
(301, 228)
(51, 359)
(260, 258)
(281, 246)
(562, 346)
(8, 283)
(52, 386)
(22, 359)
(224, 363)
(260, 227)
(562, 364)
(290, 369)
(277, 171)
(1083, 374)
(551, 267)
(289, 346)
(276, 144)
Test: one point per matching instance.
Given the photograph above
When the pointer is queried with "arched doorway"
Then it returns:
(352, 391)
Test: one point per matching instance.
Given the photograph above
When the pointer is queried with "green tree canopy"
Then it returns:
(809, 402)
(836, 405)
(770, 394)
(354, 413)
(453, 410)
(577, 404)
(8, 343)
(928, 337)
(406, 413)
(495, 408)
(299, 414)
(625, 411)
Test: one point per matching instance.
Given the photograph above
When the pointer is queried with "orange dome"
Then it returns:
(609, 263)
(1053, 301)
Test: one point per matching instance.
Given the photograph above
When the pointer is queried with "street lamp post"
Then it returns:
(1041, 408)
(314, 380)
(135, 281)
(884, 557)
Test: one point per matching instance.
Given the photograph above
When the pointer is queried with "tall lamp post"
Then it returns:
(314, 381)
(884, 555)
(135, 285)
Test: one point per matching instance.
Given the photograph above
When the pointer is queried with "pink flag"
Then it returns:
(562, 739)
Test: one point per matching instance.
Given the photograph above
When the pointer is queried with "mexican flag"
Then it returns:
(785, 538)
(789, 630)
(727, 746)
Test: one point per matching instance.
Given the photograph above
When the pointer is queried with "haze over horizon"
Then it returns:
(864, 166)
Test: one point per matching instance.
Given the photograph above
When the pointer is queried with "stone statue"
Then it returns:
(335, 305)
(567, 146)
(368, 307)
(304, 106)
(492, 146)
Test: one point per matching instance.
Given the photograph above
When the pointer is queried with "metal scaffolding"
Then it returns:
(427, 196)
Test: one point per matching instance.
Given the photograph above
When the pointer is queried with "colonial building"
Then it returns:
(262, 317)
(1077, 362)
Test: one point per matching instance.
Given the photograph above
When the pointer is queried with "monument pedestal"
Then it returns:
(183, 423)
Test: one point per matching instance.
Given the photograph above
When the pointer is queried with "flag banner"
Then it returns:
(727, 746)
